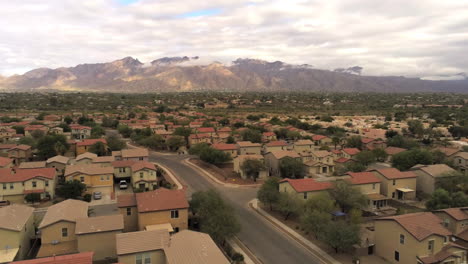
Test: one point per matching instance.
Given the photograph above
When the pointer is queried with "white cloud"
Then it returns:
(398, 37)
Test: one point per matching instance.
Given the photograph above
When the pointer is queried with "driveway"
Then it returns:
(269, 244)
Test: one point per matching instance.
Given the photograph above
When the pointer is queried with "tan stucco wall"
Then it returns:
(18, 239)
(286, 187)
(102, 244)
(130, 221)
(126, 172)
(59, 167)
(54, 232)
(157, 257)
(162, 217)
(368, 188)
(387, 241)
(250, 150)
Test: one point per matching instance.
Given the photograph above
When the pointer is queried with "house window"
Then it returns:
(430, 245)
(305, 195)
(64, 232)
(144, 258)
(445, 240)
(141, 175)
(129, 211)
(447, 222)
(397, 256)
(393, 194)
(176, 229)
(108, 177)
(47, 183)
(394, 182)
(82, 179)
(4, 186)
(102, 177)
(402, 239)
(12, 186)
(34, 184)
(141, 158)
(373, 186)
(174, 213)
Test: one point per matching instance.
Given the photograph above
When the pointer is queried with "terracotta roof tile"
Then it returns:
(20, 175)
(277, 143)
(365, 177)
(351, 151)
(160, 200)
(223, 146)
(143, 165)
(394, 150)
(308, 185)
(458, 214)
(5, 161)
(126, 200)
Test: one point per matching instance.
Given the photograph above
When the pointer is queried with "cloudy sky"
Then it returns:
(394, 37)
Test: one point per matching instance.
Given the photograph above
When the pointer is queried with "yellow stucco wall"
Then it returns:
(157, 257)
(102, 244)
(130, 221)
(54, 232)
(162, 217)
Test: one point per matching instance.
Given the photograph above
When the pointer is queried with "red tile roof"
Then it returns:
(160, 200)
(277, 143)
(20, 175)
(80, 258)
(420, 225)
(269, 134)
(123, 163)
(126, 200)
(365, 177)
(143, 165)
(342, 160)
(206, 129)
(222, 146)
(367, 140)
(89, 142)
(457, 213)
(394, 150)
(393, 173)
(5, 161)
(351, 151)
(318, 137)
(308, 185)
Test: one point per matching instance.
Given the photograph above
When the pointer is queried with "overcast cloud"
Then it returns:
(397, 37)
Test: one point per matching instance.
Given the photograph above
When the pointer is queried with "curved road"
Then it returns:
(269, 244)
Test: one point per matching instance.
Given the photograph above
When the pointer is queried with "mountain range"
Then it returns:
(177, 74)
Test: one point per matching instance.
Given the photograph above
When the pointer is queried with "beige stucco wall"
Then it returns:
(147, 176)
(250, 150)
(368, 188)
(162, 217)
(424, 182)
(303, 148)
(18, 239)
(54, 232)
(157, 257)
(387, 241)
(130, 221)
(59, 167)
(122, 172)
(102, 244)
(286, 187)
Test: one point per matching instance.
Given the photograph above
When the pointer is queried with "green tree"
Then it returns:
(380, 154)
(289, 204)
(114, 143)
(214, 156)
(440, 199)
(354, 142)
(322, 202)
(154, 142)
(27, 141)
(97, 132)
(292, 168)
(407, 159)
(347, 197)
(183, 132)
(46, 146)
(316, 222)
(365, 157)
(269, 192)
(251, 135)
(336, 141)
(252, 168)
(230, 140)
(216, 217)
(175, 142)
(71, 189)
(197, 149)
(68, 120)
(65, 127)
(416, 127)
(60, 148)
(341, 236)
(18, 129)
(32, 197)
(125, 131)
(98, 148)
(390, 133)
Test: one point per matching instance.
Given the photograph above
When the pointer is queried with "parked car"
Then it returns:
(97, 195)
(123, 185)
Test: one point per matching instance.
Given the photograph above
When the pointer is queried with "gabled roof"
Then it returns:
(206, 129)
(244, 144)
(321, 153)
(86, 155)
(90, 142)
(59, 159)
(419, 225)
(279, 154)
(458, 214)
(126, 200)
(365, 177)
(5, 161)
(21, 175)
(448, 151)
(187, 247)
(367, 140)
(394, 150)
(463, 155)
(318, 137)
(20, 147)
(32, 165)
(80, 258)
(88, 169)
(134, 153)
(393, 173)
(351, 151)
(123, 163)
(141, 241)
(308, 185)
(303, 142)
(15, 216)
(223, 146)
(269, 134)
(436, 170)
(143, 165)
(99, 224)
(160, 200)
(277, 143)
(103, 159)
(68, 210)
(342, 160)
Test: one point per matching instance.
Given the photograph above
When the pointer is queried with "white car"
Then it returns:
(123, 185)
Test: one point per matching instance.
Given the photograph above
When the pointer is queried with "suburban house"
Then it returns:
(142, 247)
(32, 165)
(16, 232)
(239, 160)
(80, 258)
(20, 153)
(275, 146)
(416, 238)
(321, 140)
(185, 248)
(57, 228)
(397, 184)
(80, 132)
(156, 207)
(5, 163)
(208, 130)
(144, 176)
(96, 178)
(391, 151)
(273, 160)
(84, 158)
(320, 162)
(31, 129)
(304, 188)
(136, 154)
(455, 220)
(350, 153)
(304, 145)
(428, 175)
(123, 169)
(58, 163)
(268, 136)
(6, 134)
(449, 153)
(84, 145)
(17, 183)
(369, 185)
(97, 234)
(249, 148)
(460, 160)
(200, 138)
(230, 149)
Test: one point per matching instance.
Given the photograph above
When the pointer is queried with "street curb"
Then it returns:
(213, 178)
(312, 248)
(249, 256)
(171, 175)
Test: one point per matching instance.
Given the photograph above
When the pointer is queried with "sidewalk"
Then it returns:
(171, 175)
(213, 178)
(315, 250)
(238, 246)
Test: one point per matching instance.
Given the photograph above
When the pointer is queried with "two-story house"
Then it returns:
(370, 185)
(84, 145)
(275, 146)
(20, 153)
(304, 188)
(248, 148)
(396, 184)
(144, 176)
(460, 161)
(96, 178)
(136, 154)
(57, 228)
(304, 145)
(350, 153)
(80, 132)
(17, 183)
(429, 175)
(273, 160)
